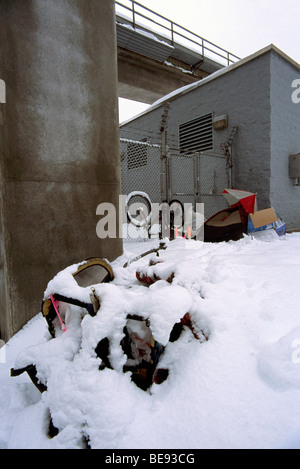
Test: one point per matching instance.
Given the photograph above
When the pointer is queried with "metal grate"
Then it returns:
(197, 134)
(136, 155)
(140, 168)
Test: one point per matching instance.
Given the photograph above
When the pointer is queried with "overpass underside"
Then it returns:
(152, 64)
(144, 79)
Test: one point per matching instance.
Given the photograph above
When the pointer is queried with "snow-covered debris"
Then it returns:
(238, 389)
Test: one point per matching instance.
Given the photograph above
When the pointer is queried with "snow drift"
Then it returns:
(238, 389)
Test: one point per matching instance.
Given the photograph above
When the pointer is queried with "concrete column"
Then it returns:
(59, 144)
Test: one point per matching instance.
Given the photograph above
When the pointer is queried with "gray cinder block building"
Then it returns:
(249, 110)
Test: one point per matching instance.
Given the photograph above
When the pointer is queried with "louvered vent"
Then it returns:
(197, 134)
(136, 155)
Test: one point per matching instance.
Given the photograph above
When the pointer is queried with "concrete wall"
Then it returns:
(59, 144)
(146, 80)
(244, 95)
(285, 140)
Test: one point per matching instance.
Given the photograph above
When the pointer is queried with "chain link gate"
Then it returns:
(140, 173)
(199, 178)
(190, 178)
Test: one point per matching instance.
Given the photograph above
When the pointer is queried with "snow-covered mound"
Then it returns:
(238, 389)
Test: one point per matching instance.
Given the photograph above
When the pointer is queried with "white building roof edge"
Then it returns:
(185, 89)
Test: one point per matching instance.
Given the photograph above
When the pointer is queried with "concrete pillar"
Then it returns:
(59, 144)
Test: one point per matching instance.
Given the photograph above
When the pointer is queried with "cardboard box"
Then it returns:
(263, 217)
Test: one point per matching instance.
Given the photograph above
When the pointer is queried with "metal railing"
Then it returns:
(139, 16)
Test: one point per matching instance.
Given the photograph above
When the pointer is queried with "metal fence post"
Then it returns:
(163, 169)
(172, 33)
(168, 175)
(133, 13)
(197, 188)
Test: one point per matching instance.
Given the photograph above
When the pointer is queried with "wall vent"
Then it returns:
(136, 155)
(197, 134)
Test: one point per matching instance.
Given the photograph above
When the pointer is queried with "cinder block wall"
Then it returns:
(285, 141)
(244, 95)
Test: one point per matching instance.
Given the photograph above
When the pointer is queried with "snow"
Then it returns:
(238, 389)
(147, 34)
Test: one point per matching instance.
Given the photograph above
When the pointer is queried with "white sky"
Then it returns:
(239, 26)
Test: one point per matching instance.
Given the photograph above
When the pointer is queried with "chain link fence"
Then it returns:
(140, 168)
(190, 178)
(200, 178)
(140, 173)
(214, 175)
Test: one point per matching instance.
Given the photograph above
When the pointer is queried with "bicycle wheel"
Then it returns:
(138, 207)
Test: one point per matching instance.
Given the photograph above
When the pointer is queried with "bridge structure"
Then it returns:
(157, 55)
